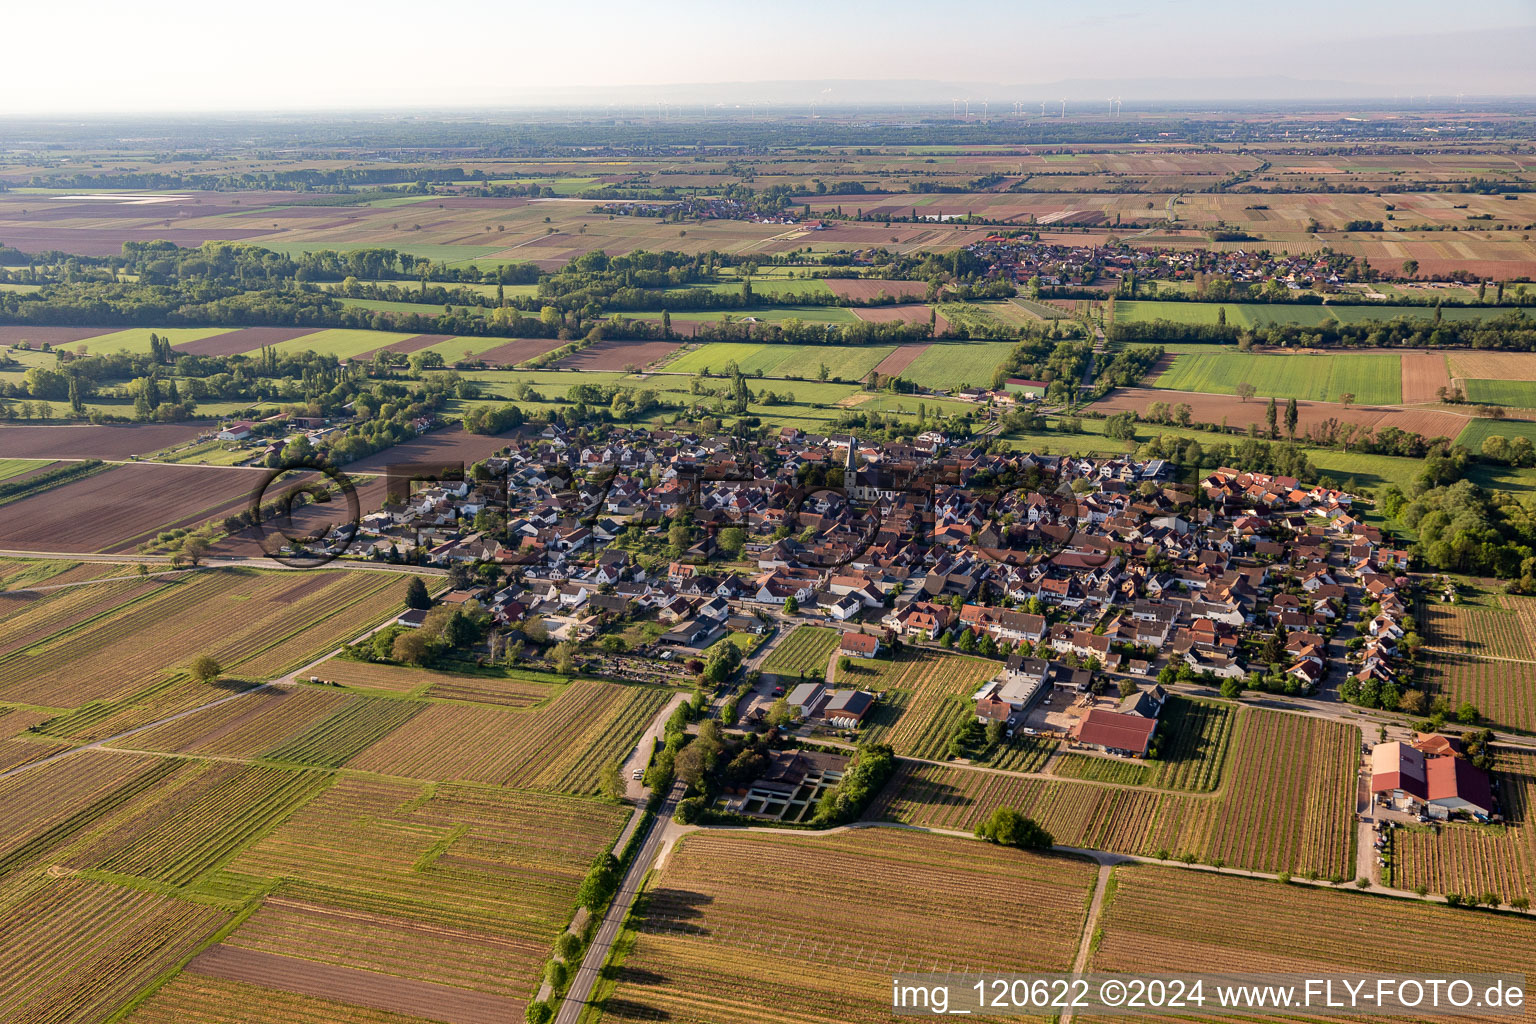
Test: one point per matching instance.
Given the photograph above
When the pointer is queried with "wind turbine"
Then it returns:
(1063, 108)
(1042, 108)
(967, 106)
(985, 107)
(955, 106)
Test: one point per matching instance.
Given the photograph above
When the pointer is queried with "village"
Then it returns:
(1098, 586)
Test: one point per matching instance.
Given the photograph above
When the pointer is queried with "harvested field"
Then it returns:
(1251, 925)
(358, 988)
(55, 336)
(247, 339)
(617, 355)
(1424, 374)
(90, 946)
(106, 441)
(859, 907)
(122, 507)
(562, 745)
(1238, 414)
(1483, 365)
(861, 289)
(893, 364)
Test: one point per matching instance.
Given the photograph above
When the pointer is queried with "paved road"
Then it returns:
(613, 921)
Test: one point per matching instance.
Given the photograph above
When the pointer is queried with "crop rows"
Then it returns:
(562, 744)
(463, 886)
(940, 686)
(817, 942)
(196, 999)
(76, 949)
(333, 740)
(1193, 739)
(1501, 630)
(1504, 692)
(43, 807)
(1468, 859)
(1252, 925)
(244, 727)
(241, 618)
(1023, 754)
(191, 821)
(1287, 805)
(1101, 769)
(803, 653)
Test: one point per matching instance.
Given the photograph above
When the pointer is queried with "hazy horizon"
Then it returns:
(188, 58)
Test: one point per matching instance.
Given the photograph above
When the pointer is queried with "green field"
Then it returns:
(767, 314)
(850, 362)
(1253, 314)
(424, 308)
(773, 287)
(952, 364)
(1518, 393)
(136, 339)
(16, 467)
(342, 342)
(1479, 430)
(1374, 379)
(455, 349)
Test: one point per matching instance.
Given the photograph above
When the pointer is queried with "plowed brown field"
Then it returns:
(1424, 374)
(616, 355)
(107, 441)
(901, 358)
(1239, 414)
(1494, 365)
(248, 339)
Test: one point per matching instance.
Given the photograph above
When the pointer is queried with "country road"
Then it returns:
(592, 963)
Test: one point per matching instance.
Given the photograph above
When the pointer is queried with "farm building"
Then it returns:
(235, 432)
(841, 709)
(859, 645)
(1114, 733)
(1008, 696)
(1439, 784)
(1025, 388)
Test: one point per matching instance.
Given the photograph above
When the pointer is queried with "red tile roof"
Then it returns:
(1116, 731)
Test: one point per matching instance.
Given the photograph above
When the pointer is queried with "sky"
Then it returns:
(174, 55)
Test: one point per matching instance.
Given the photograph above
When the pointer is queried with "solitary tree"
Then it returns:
(1272, 417)
(1007, 827)
(1291, 416)
(416, 595)
(1347, 399)
(205, 668)
(1245, 391)
(194, 550)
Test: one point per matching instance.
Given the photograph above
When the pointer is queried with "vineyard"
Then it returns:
(335, 739)
(460, 886)
(245, 727)
(1287, 803)
(1251, 925)
(928, 695)
(256, 624)
(77, 949)
(1481, 624)
(804, 652)
(816, 936)
(404, 680)
(1504, 692)
(561, 745)
(190, 822)
(1101, 769)
(1477, 859)
(196, 999)
(1023, 754)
